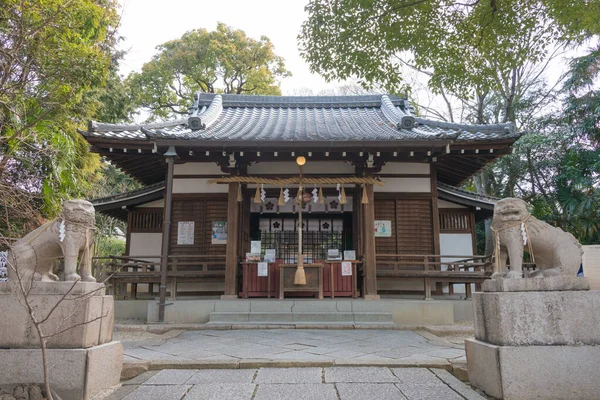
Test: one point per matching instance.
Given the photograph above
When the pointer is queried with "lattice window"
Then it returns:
(455, 221)
(319, 236)
(146, 220)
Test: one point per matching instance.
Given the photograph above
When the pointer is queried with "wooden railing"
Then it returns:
(122, 271)
(438, 268)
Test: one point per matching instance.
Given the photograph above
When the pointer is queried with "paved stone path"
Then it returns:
(303, 346)
(333, 383)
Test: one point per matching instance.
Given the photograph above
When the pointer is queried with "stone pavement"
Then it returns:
(295, 347)
(332, 383)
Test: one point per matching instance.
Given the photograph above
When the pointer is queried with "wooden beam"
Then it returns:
(231, 250)
(369, 265)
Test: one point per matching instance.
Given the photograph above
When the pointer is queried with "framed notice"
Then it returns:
(185, 232)
(270, 255)
(350, 255)
(219, 232)
(346, 268)
(383, 228)
(263, 269)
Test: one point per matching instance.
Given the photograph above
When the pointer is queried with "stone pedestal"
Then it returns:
(83, 360)
(536, 339)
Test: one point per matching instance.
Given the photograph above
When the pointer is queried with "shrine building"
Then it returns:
(357, 191)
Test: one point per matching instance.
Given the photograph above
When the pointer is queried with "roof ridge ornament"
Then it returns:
(201, 118)
(395, 115)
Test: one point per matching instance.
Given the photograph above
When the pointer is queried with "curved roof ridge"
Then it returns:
(508, 127)
(95, 126)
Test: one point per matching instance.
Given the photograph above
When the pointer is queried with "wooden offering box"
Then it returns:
(314, 279)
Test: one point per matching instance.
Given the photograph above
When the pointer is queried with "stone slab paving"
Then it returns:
(300, 345)
(330, 383)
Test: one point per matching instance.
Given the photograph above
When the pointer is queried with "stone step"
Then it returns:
(220, 317)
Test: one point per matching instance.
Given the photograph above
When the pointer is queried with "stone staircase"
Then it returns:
(300, 318)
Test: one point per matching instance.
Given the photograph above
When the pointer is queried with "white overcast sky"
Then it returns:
(148, 23)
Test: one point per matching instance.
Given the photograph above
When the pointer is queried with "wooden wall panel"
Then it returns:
(203, 212)
(412, 226)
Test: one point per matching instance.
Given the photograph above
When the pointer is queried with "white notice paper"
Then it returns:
(263, 269)
(185, 232)
(255, 247)
(346, 268)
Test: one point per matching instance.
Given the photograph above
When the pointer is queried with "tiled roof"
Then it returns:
(461, 196)
(297, 118)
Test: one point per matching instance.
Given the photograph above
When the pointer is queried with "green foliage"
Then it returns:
(468, 47)
(220, 61)
(52, 52)
(110, 246)
(556, 166)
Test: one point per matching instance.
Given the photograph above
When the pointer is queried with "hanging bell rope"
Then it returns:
(257, 180)
(300, 276)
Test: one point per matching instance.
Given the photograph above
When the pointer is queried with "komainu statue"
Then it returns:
(554, 251)
(70, 235)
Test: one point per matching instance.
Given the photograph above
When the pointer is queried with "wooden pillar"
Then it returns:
(435, 212)
(166, 233)
(231, 257)
(370, 283)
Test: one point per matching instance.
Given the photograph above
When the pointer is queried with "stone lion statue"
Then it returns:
(70, 235)
(555, 251)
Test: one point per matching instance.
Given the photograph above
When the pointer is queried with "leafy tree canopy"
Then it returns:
(52, 53)
(466, 45)
(220, 61)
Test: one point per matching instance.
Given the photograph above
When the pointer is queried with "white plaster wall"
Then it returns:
(456, 244)
(311, 167)
(447, 204)
(145, 244)
(405, 168)
(197, 169)
(198, 186)
(406, 185)
(591, 265)
(154, 204)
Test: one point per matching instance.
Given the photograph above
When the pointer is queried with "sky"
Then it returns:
(147, 23)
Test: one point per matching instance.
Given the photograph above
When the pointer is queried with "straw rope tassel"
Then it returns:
(257, 198)
(343, 195)
(365, 198)
(281, 201)
(300, 276)
(321, 198)
(239, 194)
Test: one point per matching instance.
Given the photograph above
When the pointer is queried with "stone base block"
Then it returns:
(75, 374)
(534, 372)
(536, 284)
(85, 308)
(537, 318)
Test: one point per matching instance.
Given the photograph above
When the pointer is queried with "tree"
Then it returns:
(52, 52)
(220, 61)
(463, 45)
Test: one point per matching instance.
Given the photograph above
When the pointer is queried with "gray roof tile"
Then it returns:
(297, 118)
